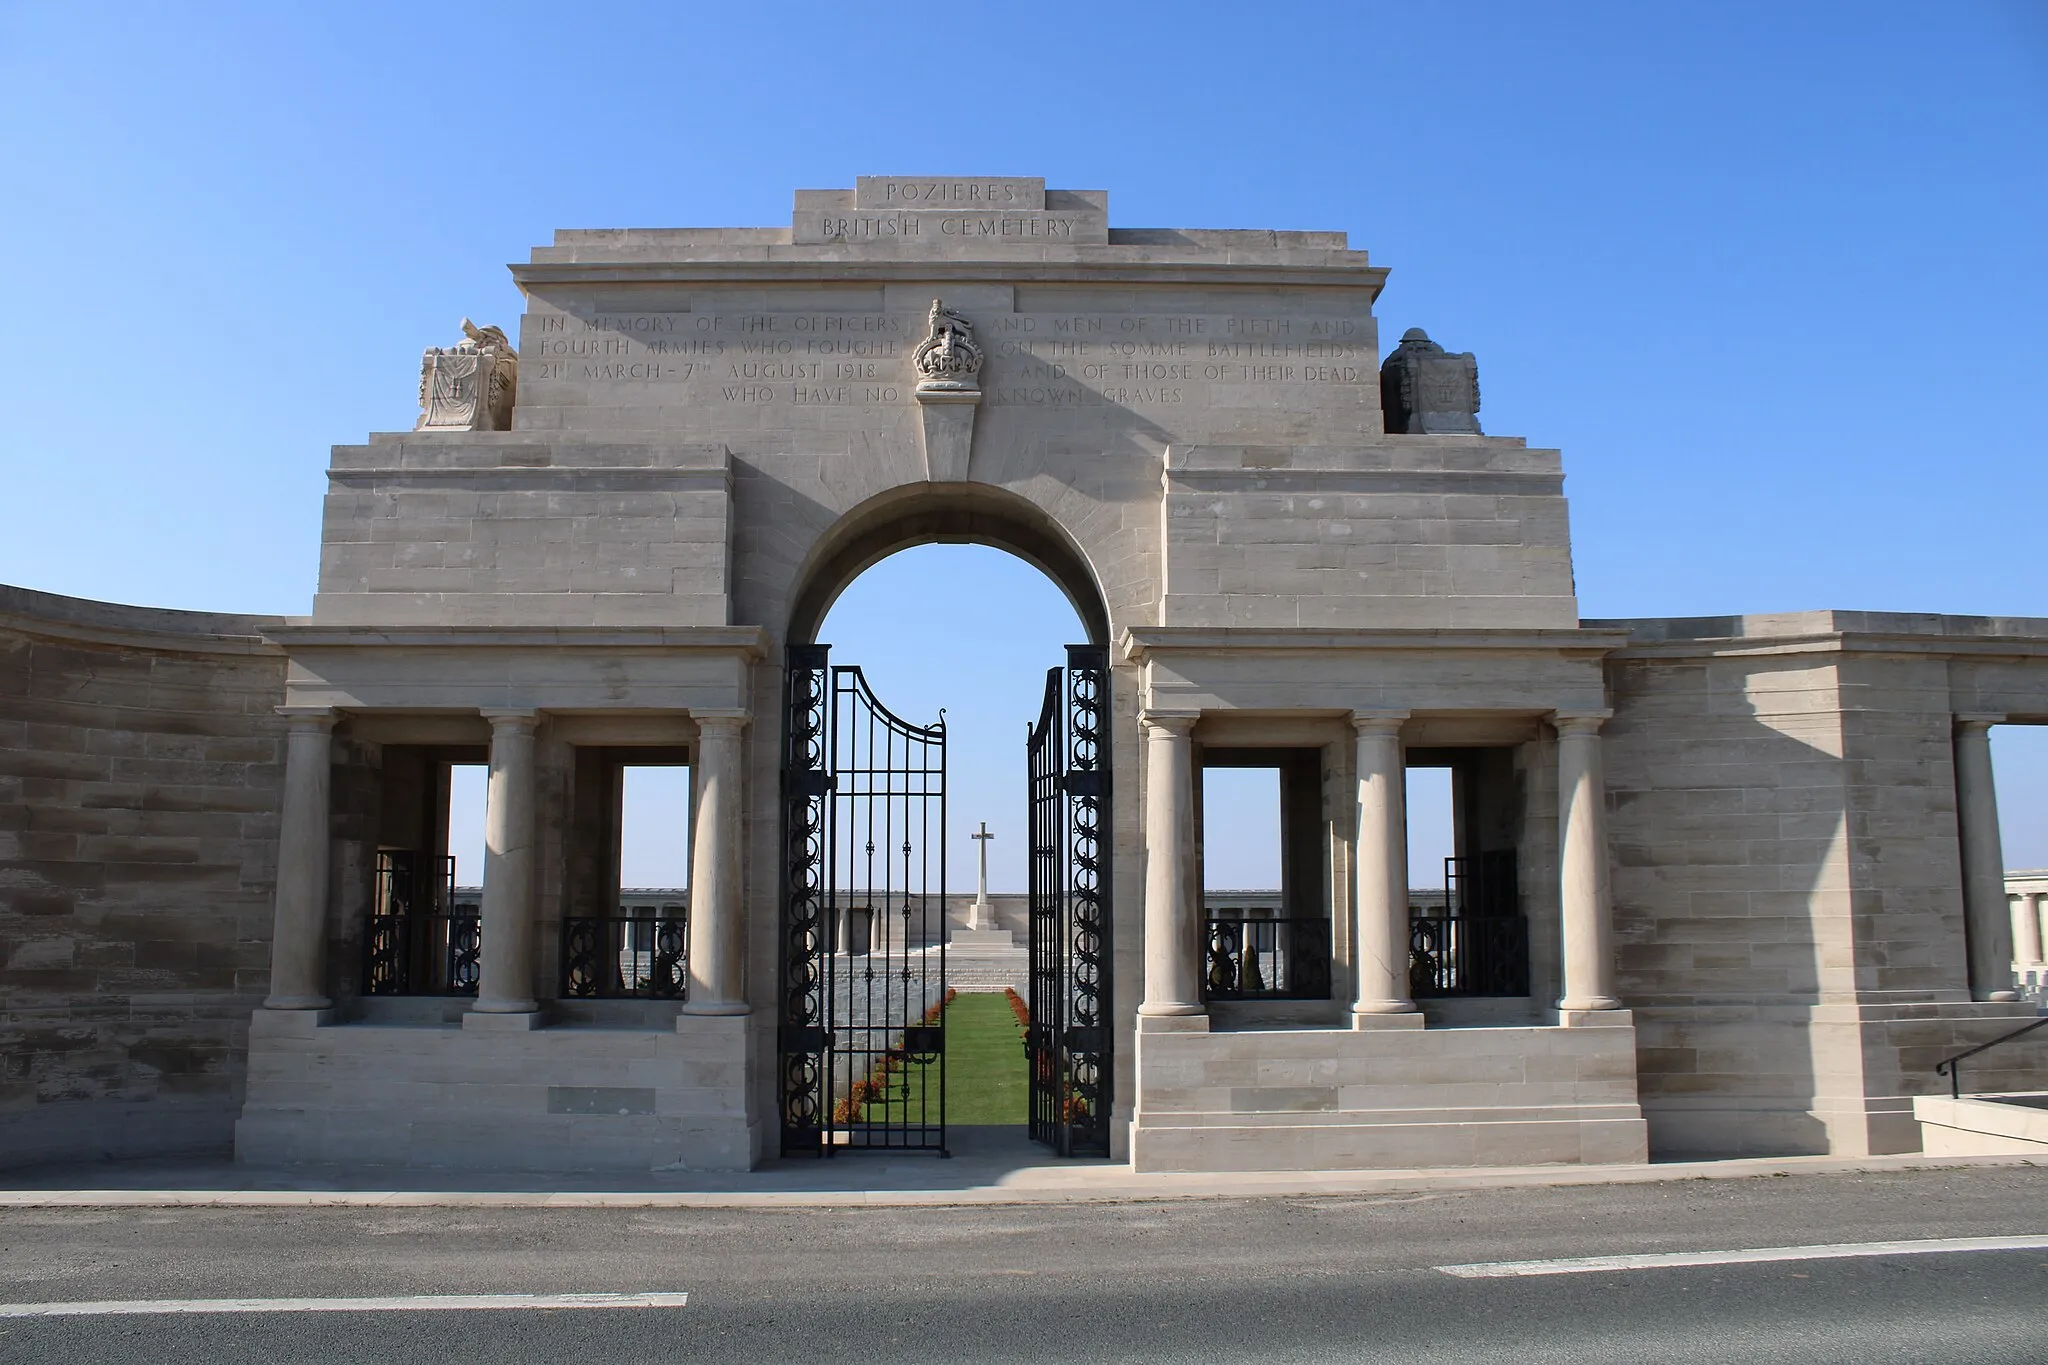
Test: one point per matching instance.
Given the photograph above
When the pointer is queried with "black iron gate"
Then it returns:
(1068, 1043)
(863, 921)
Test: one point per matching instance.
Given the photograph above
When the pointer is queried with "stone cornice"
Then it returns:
(51, 616)
(1917, 632)
(1840, 642)
(1137, 643)
(593, 476)
(1510, 483)
(1116, 265)
(749, 642)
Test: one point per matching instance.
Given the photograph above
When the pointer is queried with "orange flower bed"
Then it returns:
(1075, 1108)
(876, 1087)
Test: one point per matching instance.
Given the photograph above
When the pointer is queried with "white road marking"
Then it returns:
(394, 1303)
(1488, 1270)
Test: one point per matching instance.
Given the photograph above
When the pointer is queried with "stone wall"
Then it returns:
(140, 763)
(1403, 531)
(1388, 1099)
(477, 1098)
(522, 531)
(1788, 883)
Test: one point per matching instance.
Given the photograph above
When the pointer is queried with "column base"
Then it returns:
(2001, 997)
(1595, 1018)
(1173, 1023)
(712, 1025)
(1587, 1004)
(718, 1007)
(503, 1021)
(297, 1022)
(1169, 1009)
(298, 1002)
(1392, 1019)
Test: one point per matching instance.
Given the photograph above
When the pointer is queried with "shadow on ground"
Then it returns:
(982, 1157)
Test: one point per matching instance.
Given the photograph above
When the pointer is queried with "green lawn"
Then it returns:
(985, 1073)
(985, 1069)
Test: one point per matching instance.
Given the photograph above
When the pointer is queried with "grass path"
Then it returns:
(985, 1073)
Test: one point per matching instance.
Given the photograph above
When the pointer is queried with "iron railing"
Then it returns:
(1953, 1071)
(1477, 943)
(1262, 958)
(627, 956)
(1467, 955)
(418, 941)
(1486, 884)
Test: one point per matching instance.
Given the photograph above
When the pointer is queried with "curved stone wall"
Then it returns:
(140, 767)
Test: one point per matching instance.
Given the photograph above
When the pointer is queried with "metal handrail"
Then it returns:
(1954, 1073)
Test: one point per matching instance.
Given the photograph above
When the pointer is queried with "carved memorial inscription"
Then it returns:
(949, 192)
(1141, 360)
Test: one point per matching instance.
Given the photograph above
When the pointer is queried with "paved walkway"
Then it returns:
(989, 1166)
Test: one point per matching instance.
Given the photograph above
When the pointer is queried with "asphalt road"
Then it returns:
(1282, 1279)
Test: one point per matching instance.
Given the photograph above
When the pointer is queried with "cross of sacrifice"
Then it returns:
(982, 918)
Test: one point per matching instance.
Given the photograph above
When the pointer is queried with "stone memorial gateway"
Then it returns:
(1724, 885)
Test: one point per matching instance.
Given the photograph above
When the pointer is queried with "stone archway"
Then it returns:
(832, 1091)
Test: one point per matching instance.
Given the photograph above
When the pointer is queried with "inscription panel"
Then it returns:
(958, 228)
(1001, 193)
(747, 359)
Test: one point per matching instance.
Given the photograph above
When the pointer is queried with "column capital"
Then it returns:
(1979, 720)
(515, 720)
(1580, 722)
(1378, 722)
(721, 720)
(1178, 723)
(309, 718)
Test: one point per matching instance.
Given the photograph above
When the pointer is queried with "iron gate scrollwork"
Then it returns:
(1068, 1042)
(862, 1037)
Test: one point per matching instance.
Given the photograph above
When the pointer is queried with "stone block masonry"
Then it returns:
(525, 532)
(1788, 865)
(140, 757)
(1338, 1099)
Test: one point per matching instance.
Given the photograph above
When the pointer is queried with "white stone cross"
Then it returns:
(983, 917)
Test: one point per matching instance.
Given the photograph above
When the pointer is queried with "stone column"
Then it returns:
(1173, 956)
(1588, 918)
(2026, 929)
(1380, 865)
(298, 941)
(717, 938)
(2040, 935)
(1987, 925)
(505, 967)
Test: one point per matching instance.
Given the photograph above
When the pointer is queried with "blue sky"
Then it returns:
(1768, 273)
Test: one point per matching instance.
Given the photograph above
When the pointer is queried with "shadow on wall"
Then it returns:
(1731, 890)
(140, 771)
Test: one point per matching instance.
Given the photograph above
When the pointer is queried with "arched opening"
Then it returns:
(944, 514)
(947, 809)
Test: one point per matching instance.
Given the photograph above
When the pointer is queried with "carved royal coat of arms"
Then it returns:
(947, 359)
